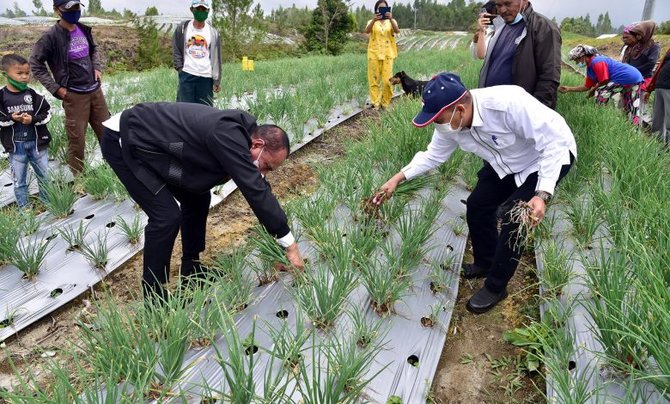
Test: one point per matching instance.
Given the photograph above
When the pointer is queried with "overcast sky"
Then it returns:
(621, 11)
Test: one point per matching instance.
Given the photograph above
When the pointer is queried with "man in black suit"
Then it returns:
(166, 153)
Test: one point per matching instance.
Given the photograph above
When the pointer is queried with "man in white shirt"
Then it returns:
(196, 55)
(527, 147)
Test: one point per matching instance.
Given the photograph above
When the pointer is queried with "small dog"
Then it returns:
(409, 85)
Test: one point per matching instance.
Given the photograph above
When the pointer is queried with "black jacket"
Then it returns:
(646, 61)
(41, 116)
(196, 147)
(537, 61)
(51, 49)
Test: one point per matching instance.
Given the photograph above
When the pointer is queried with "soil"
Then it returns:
(477, 365)
(458, 379)
(117, 44)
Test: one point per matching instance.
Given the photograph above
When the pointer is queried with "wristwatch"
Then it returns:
(544, 195)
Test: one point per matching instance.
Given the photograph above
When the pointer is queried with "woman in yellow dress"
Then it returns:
(382, 51)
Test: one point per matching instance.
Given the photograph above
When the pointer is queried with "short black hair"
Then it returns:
(12, 59)
(380, 2)
(490, 7)
(275, 137)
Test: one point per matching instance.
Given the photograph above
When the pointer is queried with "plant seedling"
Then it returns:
(29, 256)
(97, 254)
(60, 197)
(74, 236)
(132, 230)
(362, 331)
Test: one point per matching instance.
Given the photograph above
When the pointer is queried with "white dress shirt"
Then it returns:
(515, 133)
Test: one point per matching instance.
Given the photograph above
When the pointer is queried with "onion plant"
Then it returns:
(321, 295)
(60, 196)
(584, 216)
(237, 365)
(97, 252)
(415, 228)
(363, 331)
(101, 181)
(614, 308)
(270, 256)
(288, 344)
(74, 236)
(385, 284)
(9, 233)
(29, 256)
(336, 371)
(30, 222)
(120, 345)
(132, 230)
(557, 270)
(232, 284)
(441, 274)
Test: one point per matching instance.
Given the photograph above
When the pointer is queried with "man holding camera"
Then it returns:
(525, 50)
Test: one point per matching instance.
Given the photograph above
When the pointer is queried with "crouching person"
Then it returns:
(527, 148)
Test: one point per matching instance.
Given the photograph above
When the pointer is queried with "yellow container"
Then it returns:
(245, 63)
(250, 65)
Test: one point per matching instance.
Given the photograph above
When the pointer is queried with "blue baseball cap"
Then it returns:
(441, 92)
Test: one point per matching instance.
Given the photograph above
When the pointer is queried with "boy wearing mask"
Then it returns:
(73, 76)
(23, 127)
(196, 55)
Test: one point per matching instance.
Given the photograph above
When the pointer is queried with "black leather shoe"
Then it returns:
(484, 300)
(471, 271)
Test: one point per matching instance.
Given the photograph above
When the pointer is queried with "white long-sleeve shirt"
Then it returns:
(516, 134)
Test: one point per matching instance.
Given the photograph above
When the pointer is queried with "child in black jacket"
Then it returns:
(23, 130)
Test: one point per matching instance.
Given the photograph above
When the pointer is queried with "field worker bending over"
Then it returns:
(606, 77)
(527, 147)
(166, 153)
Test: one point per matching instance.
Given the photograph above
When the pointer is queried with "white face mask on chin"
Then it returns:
(446, 127)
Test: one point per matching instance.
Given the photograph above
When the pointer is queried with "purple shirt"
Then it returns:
(81, 77)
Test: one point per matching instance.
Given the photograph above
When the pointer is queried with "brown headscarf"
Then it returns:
(643, 32)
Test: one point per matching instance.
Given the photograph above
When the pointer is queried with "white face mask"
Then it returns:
(257, 161)
(446, 128)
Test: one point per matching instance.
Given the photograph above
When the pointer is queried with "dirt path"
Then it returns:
(477, 365)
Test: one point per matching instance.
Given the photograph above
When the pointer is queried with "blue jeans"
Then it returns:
(24, 153)
(198, 90)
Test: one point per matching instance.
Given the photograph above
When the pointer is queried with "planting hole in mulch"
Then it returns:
(6, 323)
(464, 202)
(282, 314)
(56, 292)
(110, 225)
(9, 185)
(572, 365)
(425, 322)
(251, 350)
(89, 217)
(51, 237)
(450, 248)
(413, 360)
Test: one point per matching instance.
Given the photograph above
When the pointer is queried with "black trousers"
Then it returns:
(492, 249)
(166, 217)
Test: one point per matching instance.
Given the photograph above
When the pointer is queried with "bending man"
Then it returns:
(527, 148)
(166, 153)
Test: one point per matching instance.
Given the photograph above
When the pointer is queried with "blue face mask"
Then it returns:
(581, 65)
(518, 18)
(71, 16)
